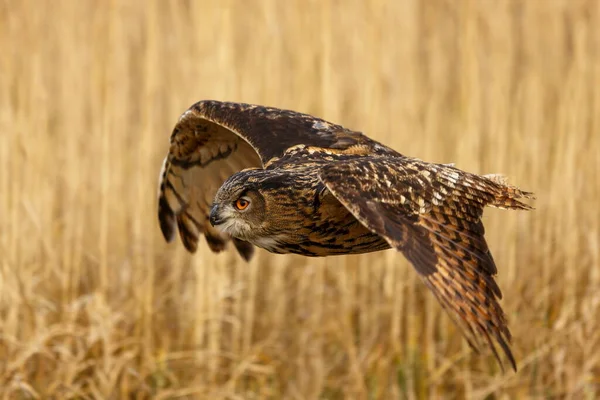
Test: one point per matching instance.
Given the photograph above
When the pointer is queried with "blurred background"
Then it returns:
(94, 304)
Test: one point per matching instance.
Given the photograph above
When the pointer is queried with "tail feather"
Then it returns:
(506, 196)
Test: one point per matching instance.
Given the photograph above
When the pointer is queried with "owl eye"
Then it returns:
(241, 203)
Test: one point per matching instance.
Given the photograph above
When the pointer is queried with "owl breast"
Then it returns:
(333, 230)
(308, 220)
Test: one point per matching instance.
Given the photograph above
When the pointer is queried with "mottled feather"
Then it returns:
(211, 141)
(433, 215)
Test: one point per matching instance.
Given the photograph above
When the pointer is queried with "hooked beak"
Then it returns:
(213, 217)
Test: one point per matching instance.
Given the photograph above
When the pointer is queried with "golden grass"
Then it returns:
(93, 303)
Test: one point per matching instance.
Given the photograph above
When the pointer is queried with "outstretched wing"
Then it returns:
(213, 140)
(432, 214)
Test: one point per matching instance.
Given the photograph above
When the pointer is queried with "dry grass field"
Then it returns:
(94, 304)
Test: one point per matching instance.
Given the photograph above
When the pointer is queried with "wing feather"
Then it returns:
(432, 214)
(213, 140)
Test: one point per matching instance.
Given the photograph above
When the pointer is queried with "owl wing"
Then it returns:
(432, 214)
(211, 141)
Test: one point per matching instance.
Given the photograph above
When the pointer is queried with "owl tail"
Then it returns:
(506, 195)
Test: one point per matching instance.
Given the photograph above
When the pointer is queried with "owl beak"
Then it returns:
(213, 217)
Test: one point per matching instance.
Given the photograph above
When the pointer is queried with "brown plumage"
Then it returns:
(292, 183)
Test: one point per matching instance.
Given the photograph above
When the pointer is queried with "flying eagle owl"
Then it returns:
(293, 183)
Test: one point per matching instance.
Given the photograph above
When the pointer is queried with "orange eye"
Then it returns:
(241, 204)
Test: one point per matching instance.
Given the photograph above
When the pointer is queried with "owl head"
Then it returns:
(246, 203)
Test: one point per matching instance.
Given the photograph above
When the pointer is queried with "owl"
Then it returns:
(289, 182)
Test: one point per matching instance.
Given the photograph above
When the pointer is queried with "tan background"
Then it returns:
(93, 303)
